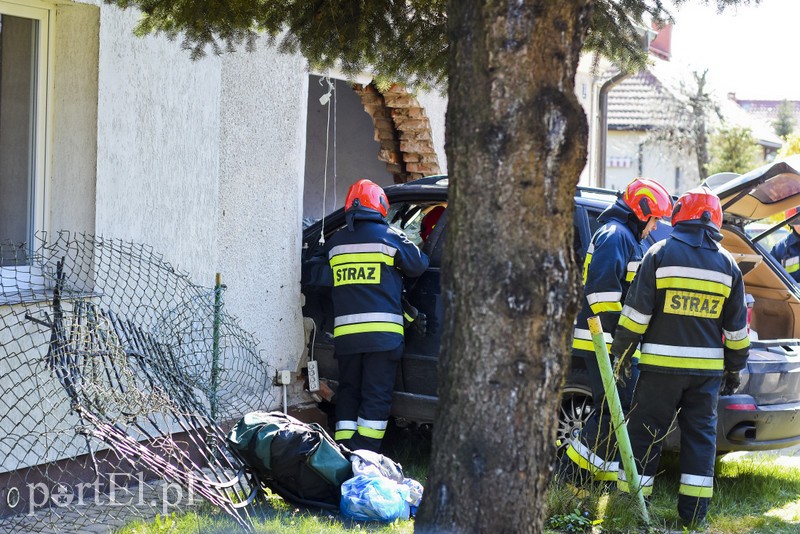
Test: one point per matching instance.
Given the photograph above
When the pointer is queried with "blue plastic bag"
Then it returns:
(374, 499)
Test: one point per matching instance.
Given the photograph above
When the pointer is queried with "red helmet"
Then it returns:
(367, 194)
(647, 198)
(699, 203)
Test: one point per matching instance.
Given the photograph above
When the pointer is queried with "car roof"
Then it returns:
(763, 192)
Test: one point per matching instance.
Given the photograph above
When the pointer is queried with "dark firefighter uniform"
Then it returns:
(612, 260)
(687, 295)
(366, 260)
(787, 252)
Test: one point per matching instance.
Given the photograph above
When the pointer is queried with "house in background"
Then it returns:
(646, 103)
(767, 110)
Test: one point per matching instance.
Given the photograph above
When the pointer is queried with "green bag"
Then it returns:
(298, 461)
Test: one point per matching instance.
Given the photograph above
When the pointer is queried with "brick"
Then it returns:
(414, 146)
(398, 101)
(424, 135)
(411, 157)
(390, 156)
(367, 99)
(412, 124)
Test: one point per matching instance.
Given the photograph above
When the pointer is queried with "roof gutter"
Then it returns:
(647, 35)
(600, 162)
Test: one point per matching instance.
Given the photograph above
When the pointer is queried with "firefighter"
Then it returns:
(687, 297)
(367, 260)
(787, 251)
(610, 265)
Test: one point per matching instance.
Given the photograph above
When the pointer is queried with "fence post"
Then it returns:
(215, 346)
(617, 416)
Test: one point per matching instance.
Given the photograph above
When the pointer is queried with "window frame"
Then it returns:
(28, 277)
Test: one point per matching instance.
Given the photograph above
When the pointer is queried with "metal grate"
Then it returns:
(117, 376)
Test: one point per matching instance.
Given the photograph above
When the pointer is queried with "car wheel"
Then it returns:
(576, 407)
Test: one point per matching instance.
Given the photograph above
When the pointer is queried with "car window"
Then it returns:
(416, 220)
(594, 224)
(756, 228)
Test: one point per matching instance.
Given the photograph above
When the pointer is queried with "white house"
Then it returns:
(106, 133)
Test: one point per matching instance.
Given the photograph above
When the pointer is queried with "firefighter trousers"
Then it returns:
(656, 401)
(364, 397)
(595, 450)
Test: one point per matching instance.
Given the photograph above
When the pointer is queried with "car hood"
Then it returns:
(762, 192)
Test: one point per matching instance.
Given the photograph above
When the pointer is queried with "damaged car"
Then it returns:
(763, 414)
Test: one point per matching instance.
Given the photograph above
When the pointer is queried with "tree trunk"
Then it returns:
(516, 144)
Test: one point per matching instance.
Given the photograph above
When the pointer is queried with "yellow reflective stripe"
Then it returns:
(601, 307)
(696, 491)
(343, 434)
(677, 362)
(630, 324)
(586, 263)
(622, 485)
(629, 276)
(792, 268)
(676, 282)
(610, 476)
(582, 344)
(407, 317)
(737, 345)
(583, 463)
(362, 257)
(362, 328)
(371, 432)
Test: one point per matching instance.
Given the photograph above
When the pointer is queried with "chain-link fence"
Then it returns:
(118, 377)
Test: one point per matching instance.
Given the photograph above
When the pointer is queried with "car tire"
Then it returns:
(575, 409)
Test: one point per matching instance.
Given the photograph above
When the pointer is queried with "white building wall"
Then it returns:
(262, 155)
(158, 132)
(203, 160)
(624, 159)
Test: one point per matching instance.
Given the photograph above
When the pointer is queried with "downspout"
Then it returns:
(647, 37)
(602, 128)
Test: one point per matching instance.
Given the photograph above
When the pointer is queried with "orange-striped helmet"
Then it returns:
(699, 203)
(367, 194)
(647, 198)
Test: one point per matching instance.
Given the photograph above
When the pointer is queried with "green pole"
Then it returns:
(215, 346)
(617, 417)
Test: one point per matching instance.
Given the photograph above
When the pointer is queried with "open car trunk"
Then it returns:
(775, 355)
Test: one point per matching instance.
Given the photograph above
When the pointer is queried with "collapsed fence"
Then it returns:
(118, 376)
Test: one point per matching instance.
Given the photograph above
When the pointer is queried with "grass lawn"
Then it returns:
(753, 493)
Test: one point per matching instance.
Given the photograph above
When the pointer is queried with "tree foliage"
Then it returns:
(396, 40)
(784, 122)
(687, 119)
(791, 146)
(733, 149)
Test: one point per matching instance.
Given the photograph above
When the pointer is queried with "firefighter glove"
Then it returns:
(412, 318)
(730, 383)
(624, 367)
(420, 324)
